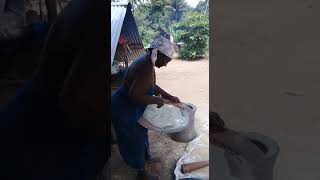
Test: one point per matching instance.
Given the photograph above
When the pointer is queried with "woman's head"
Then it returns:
(162, 60)
(161, 51)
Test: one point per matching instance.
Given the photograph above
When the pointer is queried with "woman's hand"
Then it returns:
(166, 95)
(174, 99)
(159, 101)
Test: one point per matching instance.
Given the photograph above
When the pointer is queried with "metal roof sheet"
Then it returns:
(118, 13)
(123, 23)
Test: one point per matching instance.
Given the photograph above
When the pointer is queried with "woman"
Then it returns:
(130, 101)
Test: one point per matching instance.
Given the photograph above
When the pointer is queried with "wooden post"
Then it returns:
(185, 168)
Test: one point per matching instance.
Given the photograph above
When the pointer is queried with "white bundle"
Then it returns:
(167, 117)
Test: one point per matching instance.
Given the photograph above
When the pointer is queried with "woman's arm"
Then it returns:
(139, 88)
(162, 92)
(166, 95)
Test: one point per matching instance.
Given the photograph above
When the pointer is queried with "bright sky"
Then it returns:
(193, 3)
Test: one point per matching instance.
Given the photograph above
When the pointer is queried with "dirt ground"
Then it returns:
(186, 79)
(189, 81)
(265, 76)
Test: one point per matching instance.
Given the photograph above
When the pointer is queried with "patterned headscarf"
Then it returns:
(163, 44)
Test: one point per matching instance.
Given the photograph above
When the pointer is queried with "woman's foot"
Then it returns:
(143, 175)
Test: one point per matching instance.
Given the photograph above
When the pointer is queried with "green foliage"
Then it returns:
(140, 14)
(193, 31)
(135, 2)
(176, 9)
(176, 17)
(202, 6)
(147, 35)
(150, 17)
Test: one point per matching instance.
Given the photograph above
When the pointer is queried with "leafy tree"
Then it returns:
(154, 14)
(135, 3)
(158, 16)
(193, 31)
(202, 6)
(177, 8)
(151, 16)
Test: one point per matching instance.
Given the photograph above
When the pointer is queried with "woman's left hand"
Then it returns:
(174, 99)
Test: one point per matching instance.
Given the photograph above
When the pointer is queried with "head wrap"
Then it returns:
(162, 44)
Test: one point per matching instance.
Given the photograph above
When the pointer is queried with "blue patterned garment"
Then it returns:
(131, 136)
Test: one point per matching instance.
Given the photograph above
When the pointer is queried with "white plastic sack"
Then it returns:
(168, 119)
(196, 151)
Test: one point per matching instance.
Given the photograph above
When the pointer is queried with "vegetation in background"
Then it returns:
(203, 6)
(150, 17)
(193, 31)
(176, 9)
(186, 24)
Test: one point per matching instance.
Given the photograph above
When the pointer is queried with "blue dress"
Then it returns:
(132, 138)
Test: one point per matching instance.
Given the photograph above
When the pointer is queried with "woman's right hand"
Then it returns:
(159, 101)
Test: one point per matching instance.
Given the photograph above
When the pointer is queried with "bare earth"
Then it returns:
(265, 76)
(189, 81)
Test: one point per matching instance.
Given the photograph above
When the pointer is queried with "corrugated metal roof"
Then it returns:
(118, 13)
(123, 23)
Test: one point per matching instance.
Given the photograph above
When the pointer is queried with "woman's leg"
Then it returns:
(143, 174)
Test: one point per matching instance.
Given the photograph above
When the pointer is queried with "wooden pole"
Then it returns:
(185, 168)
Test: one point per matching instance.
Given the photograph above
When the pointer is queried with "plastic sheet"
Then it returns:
(170, 118)
(196, 151)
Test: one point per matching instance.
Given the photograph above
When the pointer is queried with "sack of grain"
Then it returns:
(169, 118)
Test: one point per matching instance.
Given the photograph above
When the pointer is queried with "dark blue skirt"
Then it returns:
(132, 138)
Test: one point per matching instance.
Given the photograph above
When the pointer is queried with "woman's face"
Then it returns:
(162, 60)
